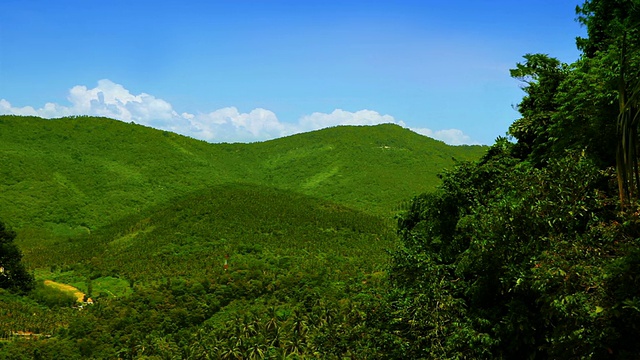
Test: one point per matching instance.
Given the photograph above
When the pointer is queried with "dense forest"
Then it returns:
(528, 249)
(144, 243)
(532, 252)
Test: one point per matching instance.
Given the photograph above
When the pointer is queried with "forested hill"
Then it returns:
(80, 173)
(198, 250)
(530, 252)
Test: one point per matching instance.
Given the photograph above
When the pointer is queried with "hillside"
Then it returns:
(191, 236)
(74, 175)
(180, 241)
(197, 271)
(370, 168)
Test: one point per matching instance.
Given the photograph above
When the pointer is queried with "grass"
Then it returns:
(79, 295)
(111, 286)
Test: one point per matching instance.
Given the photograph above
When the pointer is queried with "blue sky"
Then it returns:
(241, 70)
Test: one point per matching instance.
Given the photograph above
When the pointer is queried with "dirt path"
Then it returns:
(68, 288)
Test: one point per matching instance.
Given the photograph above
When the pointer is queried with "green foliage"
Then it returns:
(124, 212)
(144, 221)
(24, 313)
(13, 274)
(525, 254)
(628, 116)
(586, 108)
(310, 261)
(542, 76)
(605, 20)
(372, 170)
(279, 249)
(613, 43)
(192, 236)
(52, 297)
(524, 271)
(73, 175)
(566, 107)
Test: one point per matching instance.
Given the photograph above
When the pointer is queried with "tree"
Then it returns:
(525, 254)
(613, 27)
(542, 75)
(566, 107)
(13, 275)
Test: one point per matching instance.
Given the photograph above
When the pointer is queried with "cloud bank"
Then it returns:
(113, 100)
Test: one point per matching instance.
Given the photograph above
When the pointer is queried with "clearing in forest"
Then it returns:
(67, 288)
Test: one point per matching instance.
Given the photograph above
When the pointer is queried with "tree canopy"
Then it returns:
(13, 275)
(532, 252)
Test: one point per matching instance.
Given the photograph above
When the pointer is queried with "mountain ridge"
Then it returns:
(172, 236)
(70, 172)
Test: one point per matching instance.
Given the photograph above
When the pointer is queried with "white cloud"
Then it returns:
(341, 117)
(449, 136)
(230, 125)
(112, 100)
(107, 99)
(6, 108)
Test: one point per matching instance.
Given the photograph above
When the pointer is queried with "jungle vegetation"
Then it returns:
(528, 249)
(181, 243)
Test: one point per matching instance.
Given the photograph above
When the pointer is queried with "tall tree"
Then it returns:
(13, 275)
(614, 36)
(524, 254)
(542, 75)
(628, 117)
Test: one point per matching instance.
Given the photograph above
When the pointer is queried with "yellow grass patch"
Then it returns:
(67, 288)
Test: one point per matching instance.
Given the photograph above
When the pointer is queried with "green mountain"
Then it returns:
(201, 264)
(372, 168)
(73, 175)
(191, 236)
(196, 250)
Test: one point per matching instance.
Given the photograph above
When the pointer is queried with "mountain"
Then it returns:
(373, 168)
(76, 174)
(191, 236)
(195, 250)
(199, 264)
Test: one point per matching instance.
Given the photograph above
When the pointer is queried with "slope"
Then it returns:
(287, 255)
(144, 221)
(73, 175)
(82, 173)
(371, 168)
(191, 236)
